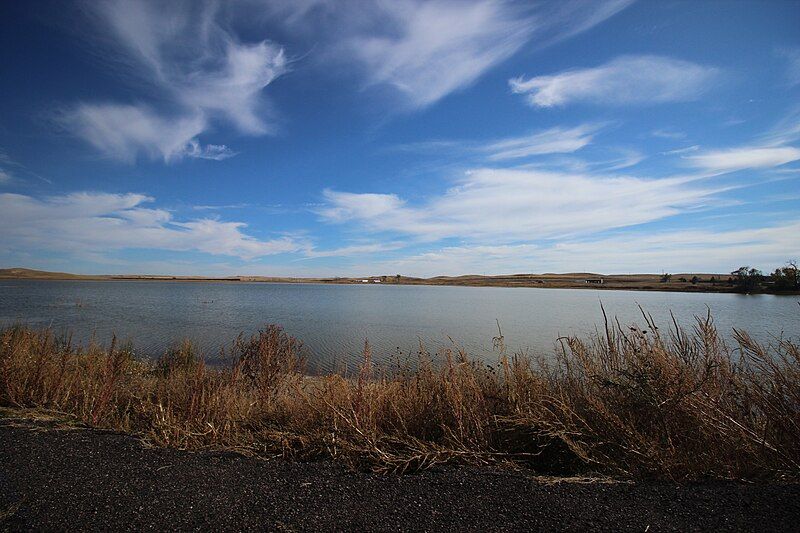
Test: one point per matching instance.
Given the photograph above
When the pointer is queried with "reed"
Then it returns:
(632, 402)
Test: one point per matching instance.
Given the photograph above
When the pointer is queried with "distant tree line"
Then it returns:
(749, 279)
(784, 279)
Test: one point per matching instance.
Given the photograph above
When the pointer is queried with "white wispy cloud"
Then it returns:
(551, 141)
(215, 152)
(556, 140)
(190, 59)
(637, 80)
(355, 249)
(216, 207)
(90, 222)
(680, 251)
(676, 151)
(188, 55)
(792, 57)
(126, 131)
(668, 134)
(786, 131)
(628, 158)
(6, 175)
(426, 56)
(504, 205)
(744, 157)
(428, 49)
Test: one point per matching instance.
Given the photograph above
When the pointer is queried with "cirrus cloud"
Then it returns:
(625, 80)
(744, 157)
(551, 141)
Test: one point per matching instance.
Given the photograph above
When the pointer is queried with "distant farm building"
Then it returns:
(594, 281)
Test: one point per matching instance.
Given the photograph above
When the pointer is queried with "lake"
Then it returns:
(334, 320)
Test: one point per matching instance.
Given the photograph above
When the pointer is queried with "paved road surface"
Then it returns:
(66, 479)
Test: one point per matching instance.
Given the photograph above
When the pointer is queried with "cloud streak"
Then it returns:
(792, 58)
(557, 140)
(746, 157)
(639, 80)
(551, 141)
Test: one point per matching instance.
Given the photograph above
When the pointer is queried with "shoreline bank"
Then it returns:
(627, 282)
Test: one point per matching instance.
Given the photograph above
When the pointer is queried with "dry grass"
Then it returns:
(629, 402)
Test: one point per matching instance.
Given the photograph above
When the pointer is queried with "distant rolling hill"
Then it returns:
(28, 273)
(578, 280)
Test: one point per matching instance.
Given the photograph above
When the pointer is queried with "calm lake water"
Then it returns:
(333, 320)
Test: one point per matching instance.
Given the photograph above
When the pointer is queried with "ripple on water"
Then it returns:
(334, 320)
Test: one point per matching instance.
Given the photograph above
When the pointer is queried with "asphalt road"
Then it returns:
(54, 479)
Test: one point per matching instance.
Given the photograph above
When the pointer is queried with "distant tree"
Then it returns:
(786, 278)
(398, 277)
(747, 279)
(713, 280)
(665, 278)
(683, 280)
(695, 280)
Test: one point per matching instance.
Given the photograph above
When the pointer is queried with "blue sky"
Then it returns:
(317, 138)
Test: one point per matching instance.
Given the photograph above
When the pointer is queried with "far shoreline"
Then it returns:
(702, 282)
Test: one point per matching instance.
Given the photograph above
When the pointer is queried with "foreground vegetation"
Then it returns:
(630, 402)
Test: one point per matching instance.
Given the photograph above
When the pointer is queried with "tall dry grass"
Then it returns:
(628, 401)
